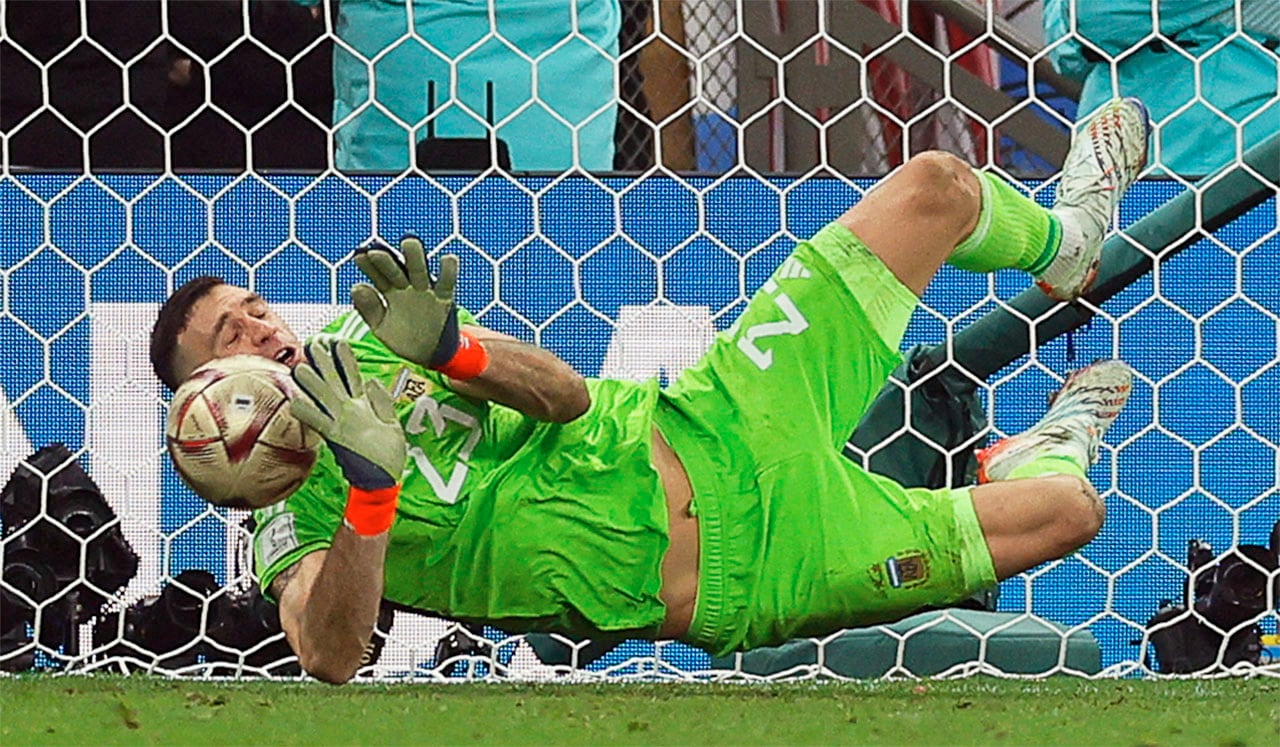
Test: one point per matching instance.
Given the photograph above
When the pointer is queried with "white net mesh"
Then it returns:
(145, 147)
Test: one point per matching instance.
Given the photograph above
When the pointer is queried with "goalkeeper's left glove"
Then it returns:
(358, 421)
(413, 314)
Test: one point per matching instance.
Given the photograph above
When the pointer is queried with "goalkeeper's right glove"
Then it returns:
(358, 421)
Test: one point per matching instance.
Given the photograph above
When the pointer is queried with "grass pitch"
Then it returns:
(1060, 711)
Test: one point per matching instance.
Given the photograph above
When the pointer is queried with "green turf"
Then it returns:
(140, 710)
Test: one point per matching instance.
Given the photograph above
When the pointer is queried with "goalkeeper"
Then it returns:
(474, 476)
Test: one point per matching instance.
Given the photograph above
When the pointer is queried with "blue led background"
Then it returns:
(554, 261)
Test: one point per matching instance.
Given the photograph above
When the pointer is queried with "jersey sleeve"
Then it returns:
(301, 524)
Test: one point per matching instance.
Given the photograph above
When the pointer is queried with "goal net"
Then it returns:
(617, 179)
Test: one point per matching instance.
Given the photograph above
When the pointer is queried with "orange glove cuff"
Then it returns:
(371, 512)
(468, 361)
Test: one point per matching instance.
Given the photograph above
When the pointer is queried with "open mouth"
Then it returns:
(285, 356)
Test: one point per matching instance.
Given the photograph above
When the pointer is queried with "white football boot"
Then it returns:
(1106, 155)
(1079, 414)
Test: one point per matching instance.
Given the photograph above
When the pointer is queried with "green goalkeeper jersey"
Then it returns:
(525, 524)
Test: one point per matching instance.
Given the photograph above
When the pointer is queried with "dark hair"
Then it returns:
(172, 319)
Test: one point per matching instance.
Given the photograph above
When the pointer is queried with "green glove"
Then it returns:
(408, 311)
(355, 417)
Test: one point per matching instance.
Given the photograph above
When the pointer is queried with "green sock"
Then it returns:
(1012, 232)
(1048, 465)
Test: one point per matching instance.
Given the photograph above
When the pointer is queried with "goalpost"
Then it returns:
(774, 119)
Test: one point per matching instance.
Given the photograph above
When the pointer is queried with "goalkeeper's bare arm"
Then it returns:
(719, 511)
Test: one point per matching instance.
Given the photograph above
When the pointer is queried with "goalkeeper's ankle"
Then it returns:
(1049, 464)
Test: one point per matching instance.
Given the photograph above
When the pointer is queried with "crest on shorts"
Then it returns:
(907, 570)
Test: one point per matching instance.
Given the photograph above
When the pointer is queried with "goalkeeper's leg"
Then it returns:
(813, 542)
(1033, 520)
(937, 209)
(1036, 503)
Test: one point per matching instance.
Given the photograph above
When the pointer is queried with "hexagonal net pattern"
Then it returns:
(618, 179)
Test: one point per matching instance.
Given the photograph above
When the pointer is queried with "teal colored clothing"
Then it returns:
(524, 524)
(1239, 77)
(411, 43)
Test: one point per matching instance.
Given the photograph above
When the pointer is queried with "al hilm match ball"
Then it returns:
(232, 437)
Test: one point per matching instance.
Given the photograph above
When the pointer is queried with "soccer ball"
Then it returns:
(231, 435)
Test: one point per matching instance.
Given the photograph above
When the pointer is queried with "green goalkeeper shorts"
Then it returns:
(796, 539)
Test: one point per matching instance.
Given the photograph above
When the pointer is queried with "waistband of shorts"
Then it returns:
(710, 619)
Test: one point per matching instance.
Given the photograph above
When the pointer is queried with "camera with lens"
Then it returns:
(1216, 626)
(64, 555)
